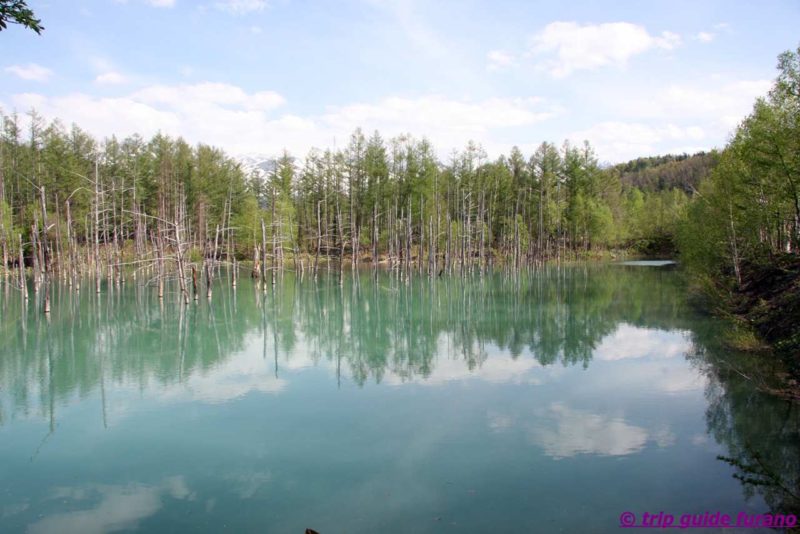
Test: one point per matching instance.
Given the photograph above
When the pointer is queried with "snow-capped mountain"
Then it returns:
(260, 163)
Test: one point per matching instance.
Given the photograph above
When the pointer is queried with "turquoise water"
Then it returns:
(548, 402)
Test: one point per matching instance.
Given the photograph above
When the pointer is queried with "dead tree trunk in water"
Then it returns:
(340, 230)
(46, 267)
(194, 282)
(35, 253)
(274, 240)
(263, 253)
(375, 240)
(73, 282)
(3, 230)
(319, 240)
(22, 283)
(96, 229)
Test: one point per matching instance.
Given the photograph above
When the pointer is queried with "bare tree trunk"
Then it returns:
(274, 240)
(58, 264)
(469, 234)
(431, 249)
(3, 228)
(97, 229)
(375, 240)
(319, 240)
(438, 218)
(340, 229)
(35, 253)
(421, 234)
(22, 283)
(255, 273)
(5, 248)
(481, 246)
(194, 282)
(263, 253)
(734, 248)
(208, 281)
(448, 247)
(409, 241)
(160, 261)
(390, 238)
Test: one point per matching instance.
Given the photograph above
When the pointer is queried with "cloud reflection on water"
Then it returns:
(566, 432)
(118, 507)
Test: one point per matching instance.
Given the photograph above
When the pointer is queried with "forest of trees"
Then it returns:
(668, 172)
(747, 213)
(71, 205)
(740, 236)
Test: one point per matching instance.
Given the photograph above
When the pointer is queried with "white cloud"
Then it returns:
(662, 370)
(241, 374)
(499, 422)
(668, 40)
(119, 507)
(449, 123)
(219, 114)
(161, 3)
(620, 141)
(705, 37)
(102, 116)
(203, 95)
(568, 46)
(728, 103)
(674, 118)
(241, 7)
(680, 380)
(497, 369)
(664, 436)
(31, 71)
(629, 341)
(569, 432)
(498, 59)
(111, 78)
(677, 117)
(241, 122)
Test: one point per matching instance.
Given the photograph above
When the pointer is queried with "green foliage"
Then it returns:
(246, 223)
(18, 12)
(371, 195)
(667, 172)
(747, 212)
(133, 176)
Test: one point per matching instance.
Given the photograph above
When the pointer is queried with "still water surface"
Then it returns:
(551, 402)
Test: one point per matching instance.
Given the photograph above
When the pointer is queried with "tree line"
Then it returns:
(746, 215)
(71, 205)
(740, 235)
(672, 171)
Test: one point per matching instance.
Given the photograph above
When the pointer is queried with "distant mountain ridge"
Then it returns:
(261, 164)
(673, 171)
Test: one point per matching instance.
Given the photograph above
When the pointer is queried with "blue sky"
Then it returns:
(256, 76)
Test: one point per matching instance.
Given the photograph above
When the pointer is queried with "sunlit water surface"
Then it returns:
(548, 402)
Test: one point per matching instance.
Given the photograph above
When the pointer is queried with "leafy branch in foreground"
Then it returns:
(18, 12)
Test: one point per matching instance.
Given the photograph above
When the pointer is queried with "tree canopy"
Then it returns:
(18, 12)
(747, 212)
